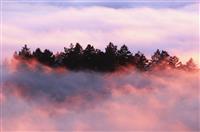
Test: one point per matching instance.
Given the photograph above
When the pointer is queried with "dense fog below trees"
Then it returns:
(37, 97)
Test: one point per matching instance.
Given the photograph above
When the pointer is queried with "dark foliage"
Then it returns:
(77, 58)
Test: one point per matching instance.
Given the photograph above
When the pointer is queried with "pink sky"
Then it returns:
(143, 28)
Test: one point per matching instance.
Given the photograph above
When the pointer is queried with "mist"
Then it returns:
(38, 98)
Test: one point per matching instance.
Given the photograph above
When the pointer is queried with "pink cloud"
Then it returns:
(143, 29)
(135, 101)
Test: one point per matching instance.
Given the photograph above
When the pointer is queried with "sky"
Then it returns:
(145, 26)
(111, 3)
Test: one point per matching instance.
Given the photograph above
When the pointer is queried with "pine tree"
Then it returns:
(25, 53)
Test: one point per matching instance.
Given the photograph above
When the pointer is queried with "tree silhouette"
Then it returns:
(174, 62)
(124, 56)
(111, 56)
(59, 58)
(156, 57)
(73, 56)
(162, 60)
(25, 53)
(38, 54)
(89, 56)
(77, 58)
(140, 61)
(45, 57)
(100, 61)
(190, 65)
(48, 57)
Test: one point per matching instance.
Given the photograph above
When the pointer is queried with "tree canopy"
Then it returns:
(90, 58)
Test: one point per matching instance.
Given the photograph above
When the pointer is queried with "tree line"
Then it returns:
(76, 58)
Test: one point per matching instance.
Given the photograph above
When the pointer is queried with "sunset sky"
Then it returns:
(145, 26)
(37, 97)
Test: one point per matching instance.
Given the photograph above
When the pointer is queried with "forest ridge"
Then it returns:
(90, 58)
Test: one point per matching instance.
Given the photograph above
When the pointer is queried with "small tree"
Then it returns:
(38, 54)
(124, 55)
(174, 62)
(89, 56)
(111, 57)
(25, 53)
(73, 56)
(190, 65)
(141, 61)
(160, 60)
(156, 57)
(78, 50)
(111, 49)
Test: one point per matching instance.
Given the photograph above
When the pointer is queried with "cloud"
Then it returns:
(141, 28)
(110, 3)
(52, 99)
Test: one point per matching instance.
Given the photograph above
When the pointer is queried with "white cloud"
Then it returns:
(145, 29)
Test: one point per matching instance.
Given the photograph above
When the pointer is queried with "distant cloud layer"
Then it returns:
(111, 3)
(142, 28)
